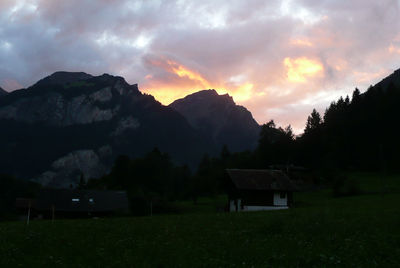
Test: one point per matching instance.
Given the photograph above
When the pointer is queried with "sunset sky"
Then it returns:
(280, 59)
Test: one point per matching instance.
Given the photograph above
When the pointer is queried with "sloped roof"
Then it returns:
(260, 179)
(22, 203)
(89, 200)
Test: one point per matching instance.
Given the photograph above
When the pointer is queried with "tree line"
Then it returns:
(360, 133)
(357, 133)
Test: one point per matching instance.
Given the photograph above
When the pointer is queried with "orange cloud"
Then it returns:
(299, 69)
(239, 93)
(301, 42)
(184, 80)
(339, 64)
(10, 84)
(183, 71)
(167, 94)
(394, 49)
(367, 77)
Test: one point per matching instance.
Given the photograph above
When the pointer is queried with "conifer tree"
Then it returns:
(314, 121)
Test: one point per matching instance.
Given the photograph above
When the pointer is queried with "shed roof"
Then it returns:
(22, 203)
(81, 200)
(260, 179)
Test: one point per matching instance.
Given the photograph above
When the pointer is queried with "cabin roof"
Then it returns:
(25, 202)
(81, 200)
(260, 179)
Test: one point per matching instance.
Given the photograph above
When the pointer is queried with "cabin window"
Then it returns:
(75, 199)
(283, 195)
(91, 200)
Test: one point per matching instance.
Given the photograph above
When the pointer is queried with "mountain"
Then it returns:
(394, 78)
(64, 104)
(69, 125)
(61, 78)
(220, 119)
(3, 92)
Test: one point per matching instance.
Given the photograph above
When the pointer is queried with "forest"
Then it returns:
(354, 134)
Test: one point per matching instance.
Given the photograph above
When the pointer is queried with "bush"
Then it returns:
(345, 186)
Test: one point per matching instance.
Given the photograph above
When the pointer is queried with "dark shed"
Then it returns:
(254, 189)
(66, 202)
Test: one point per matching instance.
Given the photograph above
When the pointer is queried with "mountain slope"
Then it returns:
(73, 124)
(357, 134)
(220, 119)
(394, 78)
(3, 92)
(61, 78)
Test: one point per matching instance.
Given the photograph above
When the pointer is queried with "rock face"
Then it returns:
(58, 129)
(67, 171)
(218, 117)
(72, 103)
(125, 124)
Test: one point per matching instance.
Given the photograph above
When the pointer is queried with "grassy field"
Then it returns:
(321, 231)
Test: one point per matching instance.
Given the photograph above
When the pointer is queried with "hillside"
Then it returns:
(357, 132)
(3, 92)
(70, 124)
(61, 78)
(220, 119)
(394, 79)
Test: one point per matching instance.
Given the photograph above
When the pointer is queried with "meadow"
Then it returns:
(320, 231)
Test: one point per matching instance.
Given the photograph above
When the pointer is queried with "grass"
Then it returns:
(321, 231)
(203, 205)
(377, 183)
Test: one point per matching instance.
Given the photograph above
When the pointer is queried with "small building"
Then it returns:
(253, 189)
(74, 203)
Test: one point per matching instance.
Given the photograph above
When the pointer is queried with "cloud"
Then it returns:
(169, 80)
(278, 58)
(301, 69)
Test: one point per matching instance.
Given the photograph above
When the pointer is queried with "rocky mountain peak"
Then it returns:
(118, 82)
(62, 77)
(65, 98)
(204, 97)
(111, 78)
(218, 117)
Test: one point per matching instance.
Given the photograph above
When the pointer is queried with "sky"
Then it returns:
(279, 59)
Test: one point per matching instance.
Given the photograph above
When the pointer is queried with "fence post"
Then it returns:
(29, 212)
(52, 213)
(151, 208)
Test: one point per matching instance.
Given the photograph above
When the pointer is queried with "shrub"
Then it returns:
(345, 186)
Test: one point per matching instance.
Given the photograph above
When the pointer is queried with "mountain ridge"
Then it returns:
(58, 131)
(51, 127)
(392, 78)
(219, 118)
(62, 77)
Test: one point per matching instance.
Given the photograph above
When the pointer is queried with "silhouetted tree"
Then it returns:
(356, 96)
(120, 171)
(225, 154)
(82, 183)
(314, 121)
